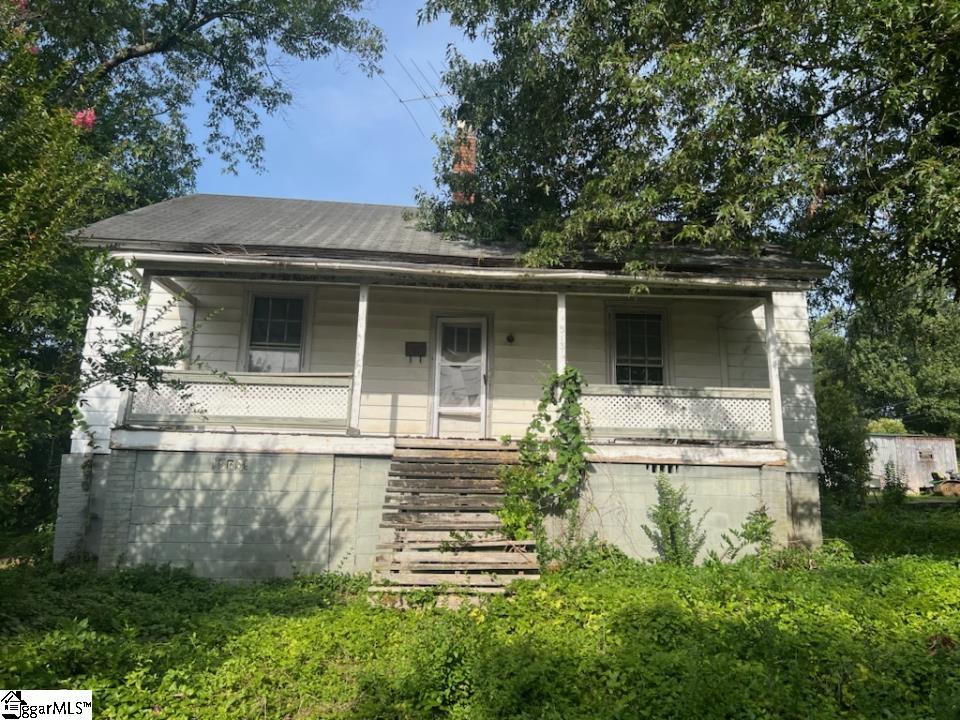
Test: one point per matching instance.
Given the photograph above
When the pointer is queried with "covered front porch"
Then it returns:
(376, 358)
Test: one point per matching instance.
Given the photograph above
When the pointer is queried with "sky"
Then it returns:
(346, 137)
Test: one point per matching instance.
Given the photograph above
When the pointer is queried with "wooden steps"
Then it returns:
(439, 513)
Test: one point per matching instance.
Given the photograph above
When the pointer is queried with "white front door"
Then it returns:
(460, 388)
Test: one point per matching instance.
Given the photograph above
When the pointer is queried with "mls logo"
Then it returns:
(12, 705)
(46, 703)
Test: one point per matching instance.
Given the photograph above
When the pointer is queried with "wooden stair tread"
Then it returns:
(434, 490)
(459, 579)
(486, 536)
(447, 544)
(470, 557)
(446, 503)
(443, 470)
(448, 443)
(447, 526)
(457, 456)
(440, 504)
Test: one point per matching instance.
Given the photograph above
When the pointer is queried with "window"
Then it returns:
(638, 349)
(276, 334)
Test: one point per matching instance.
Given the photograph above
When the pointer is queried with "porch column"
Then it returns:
(178, 291)
(357, 384)
(561, 332)
(773, 370)
(139, 322)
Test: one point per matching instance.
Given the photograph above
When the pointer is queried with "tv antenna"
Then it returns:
(426, 90)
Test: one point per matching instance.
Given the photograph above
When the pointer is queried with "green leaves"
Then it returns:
(143, 62)
(824, 638)
(676, 534)
(552, 467)
(608, 128)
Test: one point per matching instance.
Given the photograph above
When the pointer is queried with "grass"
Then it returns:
(929, 529)
(796, 635)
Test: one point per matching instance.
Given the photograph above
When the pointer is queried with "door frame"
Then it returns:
(435, 410)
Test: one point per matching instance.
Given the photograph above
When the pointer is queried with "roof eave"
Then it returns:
(420, 273)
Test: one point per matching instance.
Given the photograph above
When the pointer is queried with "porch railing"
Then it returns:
(301, 399)
(679, 413)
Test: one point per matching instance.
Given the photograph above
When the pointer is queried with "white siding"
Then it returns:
(708, 344)
(396, 391)
(796, 382)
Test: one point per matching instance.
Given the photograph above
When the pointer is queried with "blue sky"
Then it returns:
(346, 137)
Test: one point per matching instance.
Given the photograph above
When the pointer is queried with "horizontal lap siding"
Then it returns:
(693, 351)
(100, 404)
(221, 320)
(397, 392)
(334, 333)
(220, 307)
(744, 344)
(796, 382)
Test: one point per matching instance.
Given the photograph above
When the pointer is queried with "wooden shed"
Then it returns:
(914, 456)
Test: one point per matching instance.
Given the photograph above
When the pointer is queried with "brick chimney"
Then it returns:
(465, 161)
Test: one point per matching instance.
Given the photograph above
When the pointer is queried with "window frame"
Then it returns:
(613, 310)
(306, 334)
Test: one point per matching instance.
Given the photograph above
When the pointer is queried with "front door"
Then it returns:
(460, 389)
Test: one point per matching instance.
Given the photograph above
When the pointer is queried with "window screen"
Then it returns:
(461, 366)
(638, 351)
(276, 334)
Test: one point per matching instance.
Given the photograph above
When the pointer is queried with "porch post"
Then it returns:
(139, 322)
(177, 290)
(561, 332)
(357, 384)
(773, 370)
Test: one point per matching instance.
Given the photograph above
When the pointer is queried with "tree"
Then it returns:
(48, 176)
(92, 99)
(903, 358)
(607, 128)
(887, 426)
(844, 452)
(141, 63)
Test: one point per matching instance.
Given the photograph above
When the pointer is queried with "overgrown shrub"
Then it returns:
(676, 533)
(552, 466)
(887, 426)
(820, 638)
(894, 490)
(756, 530)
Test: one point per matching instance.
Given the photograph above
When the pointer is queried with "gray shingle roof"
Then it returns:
(317, 229)
(304, 226)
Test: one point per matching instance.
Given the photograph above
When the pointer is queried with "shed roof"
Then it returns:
(261, 226)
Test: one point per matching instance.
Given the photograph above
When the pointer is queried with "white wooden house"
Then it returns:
(353, 338)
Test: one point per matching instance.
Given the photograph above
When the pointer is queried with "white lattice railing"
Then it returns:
(679, 413)
(245, 399)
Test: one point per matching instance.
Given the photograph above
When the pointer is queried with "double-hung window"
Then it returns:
(638, 349)
(276, 334)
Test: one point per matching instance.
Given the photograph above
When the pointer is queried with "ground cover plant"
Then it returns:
(796, 635)
(924, 526)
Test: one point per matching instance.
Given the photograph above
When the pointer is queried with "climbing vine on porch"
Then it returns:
(552, 467)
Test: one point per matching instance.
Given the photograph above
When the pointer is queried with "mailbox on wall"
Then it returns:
(416, 350)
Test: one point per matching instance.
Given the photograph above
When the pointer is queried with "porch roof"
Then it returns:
(249, 227)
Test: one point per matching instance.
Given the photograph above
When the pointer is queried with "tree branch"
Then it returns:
(160, 45)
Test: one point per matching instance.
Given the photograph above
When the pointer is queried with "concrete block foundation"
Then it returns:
(243, 516)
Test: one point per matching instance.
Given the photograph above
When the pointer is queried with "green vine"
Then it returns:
(552, 467)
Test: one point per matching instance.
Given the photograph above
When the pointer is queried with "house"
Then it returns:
(357, 344)
(13, 704)
(914, 458)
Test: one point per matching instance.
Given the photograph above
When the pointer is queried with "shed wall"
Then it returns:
(915, 457)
